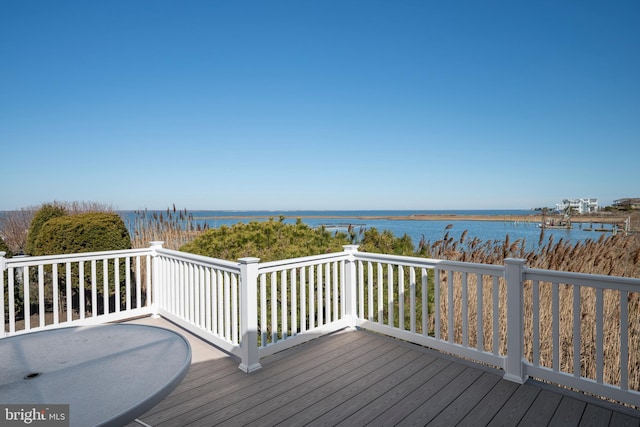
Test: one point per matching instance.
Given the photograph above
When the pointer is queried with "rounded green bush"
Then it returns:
(87, 232)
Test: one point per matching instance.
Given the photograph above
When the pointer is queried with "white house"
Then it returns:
(581, 206)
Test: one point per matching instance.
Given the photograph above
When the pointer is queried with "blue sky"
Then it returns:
(319, 104)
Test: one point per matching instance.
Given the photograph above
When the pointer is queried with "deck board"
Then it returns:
(309, 387)
(542, 409)
(380, 394)
(469, 398)
(299, 407)
(361, 378)
(400, 410)
(441, 400)
(517, 406)
(624, 420)
(491, 403)
(393, 395)
(595, 416)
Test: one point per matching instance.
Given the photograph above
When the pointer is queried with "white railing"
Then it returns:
(200, 294)
(577, 330)
(299, 299)
(64, 290)
(525, 321)
(583, 331)
(451, 306)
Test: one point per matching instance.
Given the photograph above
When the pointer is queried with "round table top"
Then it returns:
(107, 374)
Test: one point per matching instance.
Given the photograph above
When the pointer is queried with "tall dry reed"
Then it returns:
(173, 227)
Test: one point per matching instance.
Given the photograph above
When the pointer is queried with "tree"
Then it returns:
(14, 226)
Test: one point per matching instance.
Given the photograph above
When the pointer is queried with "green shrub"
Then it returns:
(87, 232)
(387, 243)
(268, 240)
(44, 214)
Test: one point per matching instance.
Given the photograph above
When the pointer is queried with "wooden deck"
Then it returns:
(356, 378)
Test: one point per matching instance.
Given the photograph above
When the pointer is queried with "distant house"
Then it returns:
(628, 203)
(581, 206)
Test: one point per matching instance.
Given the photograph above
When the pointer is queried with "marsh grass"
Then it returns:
(173, 227)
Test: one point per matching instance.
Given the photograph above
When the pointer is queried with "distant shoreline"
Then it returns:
(534, 218)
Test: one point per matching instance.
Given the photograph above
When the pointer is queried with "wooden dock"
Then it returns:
(356, 378)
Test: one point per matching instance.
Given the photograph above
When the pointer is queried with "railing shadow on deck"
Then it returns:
(575, 330)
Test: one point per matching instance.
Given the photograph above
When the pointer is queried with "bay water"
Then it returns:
(429, 230)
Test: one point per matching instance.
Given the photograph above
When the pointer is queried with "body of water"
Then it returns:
(430, 230)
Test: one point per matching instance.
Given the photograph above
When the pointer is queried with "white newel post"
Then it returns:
(156, 280)
(514, 369)
(250, 360)
(350, 285)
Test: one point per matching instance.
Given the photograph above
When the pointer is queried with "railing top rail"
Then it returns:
(26, 261)
(583, 279)
(231, 266)
(496, 270)
(267, 267)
